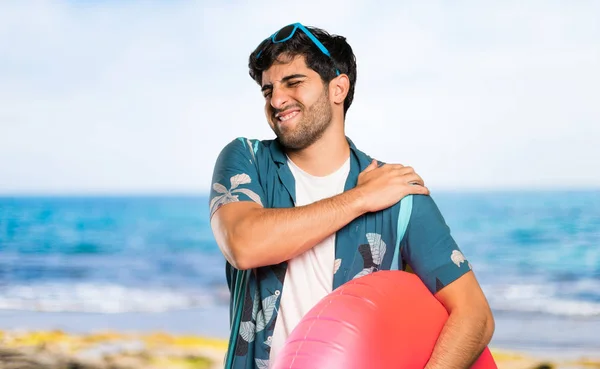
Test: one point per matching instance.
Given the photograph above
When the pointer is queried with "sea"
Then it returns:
(151, 262)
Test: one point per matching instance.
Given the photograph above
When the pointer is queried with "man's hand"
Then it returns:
(250, 236)
(382, 187)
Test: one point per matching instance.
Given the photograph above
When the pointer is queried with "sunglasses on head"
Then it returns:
(287, 33)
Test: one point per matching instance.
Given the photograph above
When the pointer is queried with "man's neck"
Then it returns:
(325, 156)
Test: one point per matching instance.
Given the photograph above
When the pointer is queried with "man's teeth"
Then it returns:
(288, 116)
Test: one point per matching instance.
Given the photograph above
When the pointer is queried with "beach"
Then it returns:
(139, 282)
(198, 339)
(109, 349)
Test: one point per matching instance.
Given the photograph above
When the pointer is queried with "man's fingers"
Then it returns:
(395, 166)
(419, 180)
(421, 190)
(418, 190)
(402, 170)
(371, 166)
(412, 178)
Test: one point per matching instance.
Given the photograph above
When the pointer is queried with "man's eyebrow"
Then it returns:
(269, 86)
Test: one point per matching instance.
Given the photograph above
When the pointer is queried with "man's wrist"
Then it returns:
(356, 201)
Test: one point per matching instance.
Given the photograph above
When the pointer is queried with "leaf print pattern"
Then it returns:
(264, 316)
(247, 331)
(262, 364)
(336, 265)
(229, 195)
(219, 188)
(239, 179)
(457, 257)
(364, 272)
(251, 194)
(378, 247)
(367, 256)
(255, 304)
(372, 254)
(217, 201)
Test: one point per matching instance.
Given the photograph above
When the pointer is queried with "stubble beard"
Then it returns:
(315, 121)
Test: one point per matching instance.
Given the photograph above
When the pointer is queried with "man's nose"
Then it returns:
(279, 98)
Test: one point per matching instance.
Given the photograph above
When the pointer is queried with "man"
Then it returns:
(308, 211)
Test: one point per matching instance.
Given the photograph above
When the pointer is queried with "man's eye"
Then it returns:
(266, 94)
(294, 83)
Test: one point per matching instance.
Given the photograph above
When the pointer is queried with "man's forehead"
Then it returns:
(284, 66)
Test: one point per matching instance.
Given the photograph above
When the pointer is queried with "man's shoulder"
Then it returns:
(246, 147)
(426, 214)
(247, 142)
(424, 203)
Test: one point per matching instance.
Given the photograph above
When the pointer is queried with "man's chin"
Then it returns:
(290, 144)
(298, 145)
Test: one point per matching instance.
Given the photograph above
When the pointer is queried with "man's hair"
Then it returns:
(341, 53)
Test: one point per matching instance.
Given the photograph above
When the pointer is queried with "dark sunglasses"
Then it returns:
(287, 33)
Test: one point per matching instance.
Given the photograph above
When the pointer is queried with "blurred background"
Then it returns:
(112, 114)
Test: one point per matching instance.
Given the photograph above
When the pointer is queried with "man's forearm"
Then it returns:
(271, 236)
(461, 341)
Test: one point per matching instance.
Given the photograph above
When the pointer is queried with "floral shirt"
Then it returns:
(255, 170)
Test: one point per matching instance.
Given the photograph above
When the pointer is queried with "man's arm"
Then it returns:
(469, 327)
(435, 257)
(251, 236)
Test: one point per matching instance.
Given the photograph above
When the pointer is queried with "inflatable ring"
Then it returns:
(384, 320)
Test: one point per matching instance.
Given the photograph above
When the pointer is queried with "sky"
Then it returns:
(140, 97)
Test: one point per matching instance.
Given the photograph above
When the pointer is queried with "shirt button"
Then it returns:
(277, 292)
(269, 339)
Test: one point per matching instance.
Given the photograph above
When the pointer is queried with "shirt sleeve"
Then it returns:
(235, 175)
(428, 247)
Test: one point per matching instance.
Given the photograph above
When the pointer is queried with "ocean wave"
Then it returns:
(104, 298)
(546, 299)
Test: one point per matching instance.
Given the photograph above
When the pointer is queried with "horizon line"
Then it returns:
(175, 193)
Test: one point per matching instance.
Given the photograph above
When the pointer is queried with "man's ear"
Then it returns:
(338, 88)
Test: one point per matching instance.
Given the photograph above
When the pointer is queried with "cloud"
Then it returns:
(138, 96)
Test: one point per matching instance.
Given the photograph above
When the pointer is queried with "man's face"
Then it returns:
(297, 103)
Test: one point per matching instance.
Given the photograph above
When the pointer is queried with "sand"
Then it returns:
(110, 349)
(198, 339)
(57, 349)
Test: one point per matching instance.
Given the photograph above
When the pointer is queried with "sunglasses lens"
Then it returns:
(284, 33)
(260, 48)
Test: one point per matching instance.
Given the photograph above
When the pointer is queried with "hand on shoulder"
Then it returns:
(382, 186)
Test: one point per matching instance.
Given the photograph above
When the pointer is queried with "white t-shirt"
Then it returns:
(309, 276)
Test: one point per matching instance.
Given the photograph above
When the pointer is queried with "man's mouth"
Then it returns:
(286, 115)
